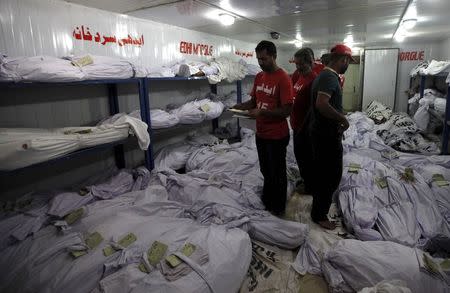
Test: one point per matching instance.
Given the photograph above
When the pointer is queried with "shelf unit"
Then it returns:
(111, 85)
(446, 131)
(144, 90)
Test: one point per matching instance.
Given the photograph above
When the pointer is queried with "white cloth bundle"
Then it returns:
(103, 67)
(439, 105)
(189, 113)
(159, 118)
(378, 112)
(228, 70)
(39, 68)
(353, 265)
(422, 117)
(20, 147)
(435, 67)
(212, 109)
(251, 68)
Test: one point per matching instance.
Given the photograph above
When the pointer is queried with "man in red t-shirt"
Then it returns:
(302, 90)
(317, 67)
(270, 105)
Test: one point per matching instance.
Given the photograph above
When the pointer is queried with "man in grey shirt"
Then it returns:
(326, 125)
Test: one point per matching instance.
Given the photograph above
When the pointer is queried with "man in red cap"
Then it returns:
(326, 124)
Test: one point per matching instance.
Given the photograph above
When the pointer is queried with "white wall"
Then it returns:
(445, 49)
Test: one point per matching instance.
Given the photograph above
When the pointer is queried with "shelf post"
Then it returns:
(119, 152)
(446, 126)
(215, 121)
(144, 102)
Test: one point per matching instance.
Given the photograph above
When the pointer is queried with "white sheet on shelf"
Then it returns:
(39, 68)
(435, 67)
(228, 70)
(104, 67)
(20, 147)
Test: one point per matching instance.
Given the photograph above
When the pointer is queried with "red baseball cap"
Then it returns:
(343, 50)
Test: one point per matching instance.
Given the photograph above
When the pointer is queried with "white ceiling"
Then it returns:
(321, 23)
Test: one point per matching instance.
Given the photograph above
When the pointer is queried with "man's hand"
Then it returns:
(253, 113)
(343, 125)
(237, 107)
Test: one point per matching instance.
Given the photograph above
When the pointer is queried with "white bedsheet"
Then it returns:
(20, 147)
(39, 68)
(353, 265)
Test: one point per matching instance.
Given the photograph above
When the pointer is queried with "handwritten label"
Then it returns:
(85, 35)
(196, 49)
(412, 56)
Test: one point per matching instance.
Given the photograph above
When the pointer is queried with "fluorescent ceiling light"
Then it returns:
(409, 23)
(399, 38)
(298, 36)
(226, 19)
(298, 44)
(348, 39)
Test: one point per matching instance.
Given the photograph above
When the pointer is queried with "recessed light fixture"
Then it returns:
(298, 44)
(226, 19)
(409, 23)
(399, 38)
(350, 25)
(349, 39)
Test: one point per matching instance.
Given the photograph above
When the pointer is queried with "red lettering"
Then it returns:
(413, 55)
(407, 55)
(421, 55)
(189, 48)
(196, 48)
(182, 47)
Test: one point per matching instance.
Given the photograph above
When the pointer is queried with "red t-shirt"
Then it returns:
(272, 90)
(302, 91)
(295, 76)
(317, 67)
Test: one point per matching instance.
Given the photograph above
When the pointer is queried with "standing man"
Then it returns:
(327, 124)
(317, 67)
(302, 91)
(325, 59)
(270, 105)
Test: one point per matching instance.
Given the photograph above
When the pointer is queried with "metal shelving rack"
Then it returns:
(111, 85)
(446, 131)
(143, 85)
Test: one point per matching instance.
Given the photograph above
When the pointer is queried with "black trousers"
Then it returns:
(304, 155)
(272, 163)
(327, 150)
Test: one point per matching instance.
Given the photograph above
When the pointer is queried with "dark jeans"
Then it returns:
(272, 163)
(304, 155)
(327, 162)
